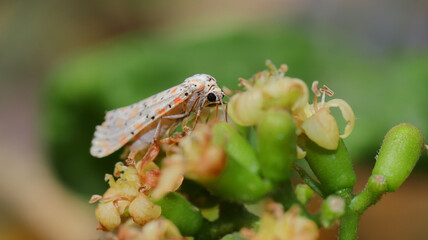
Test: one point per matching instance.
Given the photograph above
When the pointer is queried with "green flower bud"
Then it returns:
(304, 193)
(333, 168)
(236, 146)
(332, 209)
(400, 150)
(239, 179)
(277, 145)
(181, 212)
(237, 183)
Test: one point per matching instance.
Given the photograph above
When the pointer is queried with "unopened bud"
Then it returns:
(143, 210)
(108, 215)
(304, 193)
(332, 209)
(399, 153)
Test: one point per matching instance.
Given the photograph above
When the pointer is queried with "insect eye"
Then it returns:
(211, 97)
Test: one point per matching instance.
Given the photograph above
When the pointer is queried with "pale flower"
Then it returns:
(127, 196)
(265, 90)
(159, 229)
(319, 125)
(286, 226)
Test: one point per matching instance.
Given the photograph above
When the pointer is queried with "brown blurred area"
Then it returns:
(37, 35)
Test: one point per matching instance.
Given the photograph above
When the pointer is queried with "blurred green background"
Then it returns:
(63, 64)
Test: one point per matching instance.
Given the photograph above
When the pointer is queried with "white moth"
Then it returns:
(153, 116)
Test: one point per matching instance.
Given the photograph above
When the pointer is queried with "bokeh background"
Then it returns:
(63, 63)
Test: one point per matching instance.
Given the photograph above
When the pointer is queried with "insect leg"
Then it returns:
(157, 130)
(150, 155)
(130, 160)
(177, 116)
(197, 117)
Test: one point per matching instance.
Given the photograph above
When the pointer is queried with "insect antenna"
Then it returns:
(224, 110)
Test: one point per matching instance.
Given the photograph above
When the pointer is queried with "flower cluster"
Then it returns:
(133, 197)
(128, 196)
(279, 225)
(272, 89)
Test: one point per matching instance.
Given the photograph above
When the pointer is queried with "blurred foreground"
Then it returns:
(118, 53)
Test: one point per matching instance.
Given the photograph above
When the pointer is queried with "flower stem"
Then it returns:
(349, 225)
(350, 221)
(375, 188)
(314, 185)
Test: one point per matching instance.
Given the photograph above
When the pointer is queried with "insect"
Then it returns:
(144, 121)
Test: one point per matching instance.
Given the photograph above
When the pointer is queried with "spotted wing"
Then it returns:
(122, 124)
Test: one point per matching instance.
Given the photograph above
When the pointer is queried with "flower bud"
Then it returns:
(332, 209)
(399, 153)
(143, 210)
(286, 92)
(277, 145)
(304, 193)
(291, 225)
(236, 146)
(160, 229)
(108, 215)
(246, 108)
(237, 183)
(181, 212)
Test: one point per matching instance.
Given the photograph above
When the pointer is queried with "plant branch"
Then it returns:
(314, 185)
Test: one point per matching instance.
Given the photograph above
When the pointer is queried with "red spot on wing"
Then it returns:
(160, 111)
(178, 100)
(123, 140)
(138, 126)
(173, 90)
(134, 112)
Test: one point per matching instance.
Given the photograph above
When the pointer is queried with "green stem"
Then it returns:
(349, 222)
(314, 185)
(349, 225)
(284, 194)
(376, 186)
(363, 200)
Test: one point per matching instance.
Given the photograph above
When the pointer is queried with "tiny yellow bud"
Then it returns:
(108, 215)
(122, 207)
(246, 108)
(160, 229)
(143, 210)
